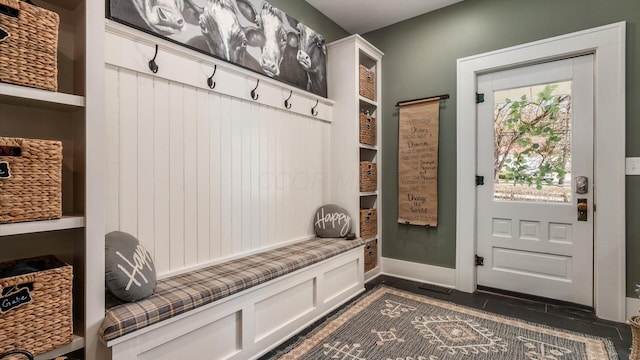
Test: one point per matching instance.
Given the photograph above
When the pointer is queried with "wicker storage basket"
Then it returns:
(368, 223)
(45, 323)
(635, 338)
(370, 255)
(368, 176)
(367, 129)
(30, 179)
(28, 56)
(367, 83)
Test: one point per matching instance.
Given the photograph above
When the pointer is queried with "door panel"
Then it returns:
(535, 136)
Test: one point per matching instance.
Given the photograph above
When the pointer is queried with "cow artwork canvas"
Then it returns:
(249, 33)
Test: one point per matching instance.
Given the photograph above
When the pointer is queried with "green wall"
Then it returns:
(308, 15)
(420, 60)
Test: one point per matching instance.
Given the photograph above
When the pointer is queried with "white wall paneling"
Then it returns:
(200, 176)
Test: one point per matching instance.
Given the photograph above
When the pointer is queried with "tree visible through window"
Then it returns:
(532, 143)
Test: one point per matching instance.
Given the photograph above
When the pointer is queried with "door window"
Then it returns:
(532, 143)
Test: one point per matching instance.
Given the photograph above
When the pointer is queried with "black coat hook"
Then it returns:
(254, 94)
(314, 112)
(287, 104)
(210, 82)
(152, 63)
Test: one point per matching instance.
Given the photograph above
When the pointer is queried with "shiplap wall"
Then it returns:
(199, 176)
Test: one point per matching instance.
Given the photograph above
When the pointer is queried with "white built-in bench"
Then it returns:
(238, 309)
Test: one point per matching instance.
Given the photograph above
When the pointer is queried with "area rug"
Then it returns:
(390, 324)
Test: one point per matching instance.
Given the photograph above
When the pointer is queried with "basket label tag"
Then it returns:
(4, 34)
(5, 172)
(15, 299)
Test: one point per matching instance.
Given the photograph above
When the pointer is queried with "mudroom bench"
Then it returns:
(237, 309)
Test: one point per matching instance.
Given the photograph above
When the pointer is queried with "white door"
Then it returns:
(535, 151)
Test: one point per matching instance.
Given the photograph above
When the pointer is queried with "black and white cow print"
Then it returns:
(250, 33)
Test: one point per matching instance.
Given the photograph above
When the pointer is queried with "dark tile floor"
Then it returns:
(563, 317)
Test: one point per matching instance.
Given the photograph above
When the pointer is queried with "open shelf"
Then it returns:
(66, 222)
(76, 344)
(368, 147)
(26, 96)
(366, 103)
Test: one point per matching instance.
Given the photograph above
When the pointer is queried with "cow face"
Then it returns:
(276, 39)
(312, 49)
(162, 16)
(222, 31)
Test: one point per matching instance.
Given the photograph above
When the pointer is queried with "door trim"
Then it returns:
(607, 43)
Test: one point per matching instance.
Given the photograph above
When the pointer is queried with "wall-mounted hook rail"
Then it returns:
(287, 104)
(210, 82)
(314, 112)
(152, 63)
(254, 94)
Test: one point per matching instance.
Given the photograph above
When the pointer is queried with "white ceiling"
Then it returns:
(361, 16)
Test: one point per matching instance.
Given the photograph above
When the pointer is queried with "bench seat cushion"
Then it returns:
(181, 293)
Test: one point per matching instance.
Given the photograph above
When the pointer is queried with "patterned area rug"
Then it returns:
(390, 324)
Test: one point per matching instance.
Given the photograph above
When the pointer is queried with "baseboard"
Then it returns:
(633, 307)
(408, 270)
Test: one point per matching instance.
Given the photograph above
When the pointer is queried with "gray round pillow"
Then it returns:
(332, 221)
(129, 271)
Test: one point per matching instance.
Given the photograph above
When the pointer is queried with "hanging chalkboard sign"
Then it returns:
(14, 298)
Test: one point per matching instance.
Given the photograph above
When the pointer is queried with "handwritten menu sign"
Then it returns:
(418, 162)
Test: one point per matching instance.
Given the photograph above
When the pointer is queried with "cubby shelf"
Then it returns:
(25, 96)
(368, 147)
(367, 101)
(76, 344)
(66, 222)
(346, 58)
(73, 115)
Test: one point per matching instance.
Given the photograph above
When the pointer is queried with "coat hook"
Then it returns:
(254, 94)
(287, 104)
(152, 63)
(314, 112)
(210, 82)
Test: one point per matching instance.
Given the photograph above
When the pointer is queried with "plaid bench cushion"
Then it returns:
(181, 293)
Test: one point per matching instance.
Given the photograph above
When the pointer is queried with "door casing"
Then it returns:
(607, 43)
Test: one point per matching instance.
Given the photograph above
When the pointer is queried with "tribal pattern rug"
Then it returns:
(390, 324)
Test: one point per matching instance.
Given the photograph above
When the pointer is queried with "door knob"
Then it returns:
(582, 209)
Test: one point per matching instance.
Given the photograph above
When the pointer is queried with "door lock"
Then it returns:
(582, 209)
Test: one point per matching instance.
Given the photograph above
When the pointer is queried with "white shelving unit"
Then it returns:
(345, 57)
(74, 115)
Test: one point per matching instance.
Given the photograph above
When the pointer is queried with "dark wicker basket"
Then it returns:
(370, 255)
(367, 129)
(44, 323)
(367, 83)
(29, 55)
(368, 176)
(31, 183)
(368, 223)
(635, 338)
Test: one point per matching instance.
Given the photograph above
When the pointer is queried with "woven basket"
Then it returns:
(368, 223)
(370, 255)
(33, 190)
(16, 354)
(367, 129)
(367, 83)
(635, 338)
(46, 322)
(368, 176)
(28, 56)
